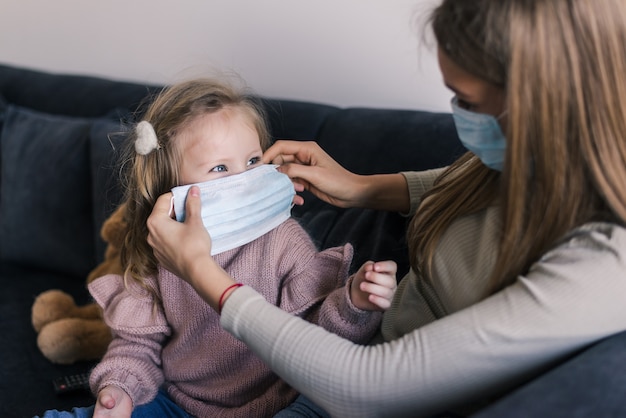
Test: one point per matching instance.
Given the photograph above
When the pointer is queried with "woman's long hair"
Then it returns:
(562, 65)
(146, 177)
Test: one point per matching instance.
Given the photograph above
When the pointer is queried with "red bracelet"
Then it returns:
(232, 286)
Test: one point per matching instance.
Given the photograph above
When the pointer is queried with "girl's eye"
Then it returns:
(253, 161)
(219, 169)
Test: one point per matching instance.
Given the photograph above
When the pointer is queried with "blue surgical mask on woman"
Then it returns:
(481, 134)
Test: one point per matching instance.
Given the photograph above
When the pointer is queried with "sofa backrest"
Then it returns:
(70, 95)
(59, 137)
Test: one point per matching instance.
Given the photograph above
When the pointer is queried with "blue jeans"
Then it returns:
(302, 407)
(161, 406)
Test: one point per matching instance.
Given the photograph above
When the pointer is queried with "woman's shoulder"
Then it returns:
(599, 235)
(597, 244)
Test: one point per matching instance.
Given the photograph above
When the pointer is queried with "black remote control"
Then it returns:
(71, 383)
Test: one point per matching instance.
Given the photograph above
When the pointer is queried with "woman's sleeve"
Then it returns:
(559, 307)
(419, 182)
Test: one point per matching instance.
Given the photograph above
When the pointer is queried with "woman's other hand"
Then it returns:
(311, 168)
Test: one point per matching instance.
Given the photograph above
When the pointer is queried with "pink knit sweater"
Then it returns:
(182, 347)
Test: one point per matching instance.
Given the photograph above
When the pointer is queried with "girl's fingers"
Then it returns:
(383, 291)
(387, 267)
(381, 279)
(382, 303)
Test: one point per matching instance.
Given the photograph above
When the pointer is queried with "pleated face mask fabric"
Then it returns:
(240, 208)
(481, 134)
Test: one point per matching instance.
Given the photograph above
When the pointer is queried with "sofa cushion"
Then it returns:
(26, 375)
(3, 109)
(375, 235)
(591, 384)
(369, 141)
(292, 119)
(45, 192)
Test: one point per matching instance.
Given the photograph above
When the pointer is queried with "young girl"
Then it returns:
(169, 355)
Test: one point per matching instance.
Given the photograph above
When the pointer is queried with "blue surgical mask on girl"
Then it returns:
(481, 134)
(240, 208)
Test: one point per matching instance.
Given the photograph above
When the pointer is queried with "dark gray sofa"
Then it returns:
(58, 140)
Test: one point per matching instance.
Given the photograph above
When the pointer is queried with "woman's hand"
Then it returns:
(177, 245)
(311, 168)
(113, 402)
(184, 248)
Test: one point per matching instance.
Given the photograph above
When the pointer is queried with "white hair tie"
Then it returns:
(146, 141)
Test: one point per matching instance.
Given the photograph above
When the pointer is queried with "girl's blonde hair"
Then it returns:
(562, 65)
(146, 177)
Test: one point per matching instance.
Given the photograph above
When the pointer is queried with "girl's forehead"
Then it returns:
(225, 125)
(218, 118)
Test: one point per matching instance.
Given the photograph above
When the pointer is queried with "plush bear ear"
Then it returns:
(114, 228)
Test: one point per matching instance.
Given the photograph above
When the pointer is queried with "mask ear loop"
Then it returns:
(171, 212)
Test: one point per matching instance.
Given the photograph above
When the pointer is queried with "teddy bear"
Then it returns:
(68, 333)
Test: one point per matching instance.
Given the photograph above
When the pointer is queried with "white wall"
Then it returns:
(342, 52)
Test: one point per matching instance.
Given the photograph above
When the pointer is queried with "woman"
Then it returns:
(517, 250)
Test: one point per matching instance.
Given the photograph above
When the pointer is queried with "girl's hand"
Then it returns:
(113, 402)
(312, 169)
(374, 285)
